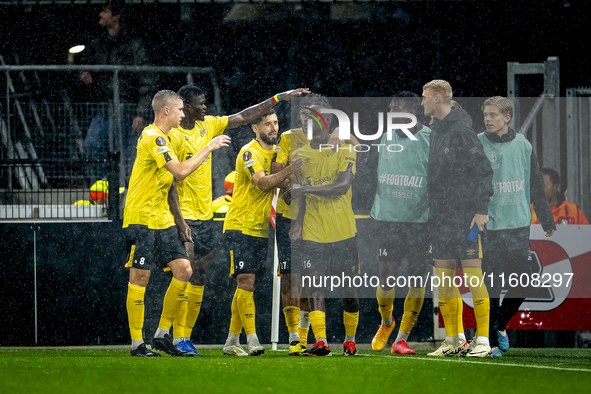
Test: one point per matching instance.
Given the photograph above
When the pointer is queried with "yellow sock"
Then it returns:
(171, 304)
(412, 307)
(135, 310)
(318, 323)
(194, 300)
(236, 321)
(247, 310)
(292, 318)
(303, 332)
(448, 305)
(385, 302)
(460, 311)
(178, 328)
(351, 320)
(481, 300)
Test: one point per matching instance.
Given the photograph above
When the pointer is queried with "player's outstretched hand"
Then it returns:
(286, 96)
(549, 233)
(287, 197)
(185, 233)
(219, 142)
(480, 221)
(296, 164)
(296, 192)
(295, 232)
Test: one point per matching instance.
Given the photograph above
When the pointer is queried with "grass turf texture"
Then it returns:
(110, 371)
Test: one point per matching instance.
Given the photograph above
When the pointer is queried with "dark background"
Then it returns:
(382, 49)
(385, 48)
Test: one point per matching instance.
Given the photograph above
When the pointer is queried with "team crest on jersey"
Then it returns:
(494, 162)
(160, 141)
(202, 133)
(246, 156)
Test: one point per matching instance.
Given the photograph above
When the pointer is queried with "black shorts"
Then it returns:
(248, 254)
(507, 252)
(206, 237)
(450, 242)
(149, 248)
(330, 258)
(284, 244)
(405, 240)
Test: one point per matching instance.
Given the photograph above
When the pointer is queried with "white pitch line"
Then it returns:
(456, 360)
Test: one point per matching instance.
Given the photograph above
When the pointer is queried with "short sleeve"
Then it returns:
(347, 160)
(252, 162)
(216, 125)
(161, 150)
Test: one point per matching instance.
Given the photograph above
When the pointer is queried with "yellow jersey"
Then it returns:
(195, 190)
(290, 140)
(251, 207)
(147, 197)
(327, 219)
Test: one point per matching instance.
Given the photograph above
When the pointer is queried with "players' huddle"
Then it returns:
(454, 215)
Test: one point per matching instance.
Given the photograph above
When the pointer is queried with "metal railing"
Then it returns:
(44, 164)
(578, 141)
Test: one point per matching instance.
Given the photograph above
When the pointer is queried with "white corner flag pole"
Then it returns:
(276, 301)
(276, 282)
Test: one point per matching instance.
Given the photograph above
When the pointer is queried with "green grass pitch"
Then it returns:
(113, 371)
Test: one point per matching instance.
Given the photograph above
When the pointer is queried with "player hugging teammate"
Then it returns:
(316, 229)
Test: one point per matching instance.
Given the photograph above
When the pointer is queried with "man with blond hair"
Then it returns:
(459, 188)
(517, 181)
(149, 227)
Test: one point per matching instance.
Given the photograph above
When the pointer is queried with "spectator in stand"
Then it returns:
(563, 211)
(117, 47)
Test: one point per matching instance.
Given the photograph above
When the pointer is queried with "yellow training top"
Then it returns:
(290, 140)
(327, 219)
(195, 191)
(250, 208)
(147, 198)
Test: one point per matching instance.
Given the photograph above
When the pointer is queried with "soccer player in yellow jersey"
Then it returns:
(329, 246)
(295, 309)
(195, 131)
(150, 233)
(246, 228)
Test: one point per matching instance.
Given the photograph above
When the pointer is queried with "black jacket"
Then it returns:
(460, 174)
(122, 50)
(537, 194)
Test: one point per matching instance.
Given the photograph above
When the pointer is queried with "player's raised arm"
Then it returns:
(184, 169)
(249, 114)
